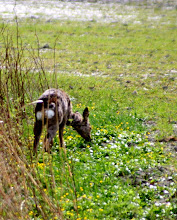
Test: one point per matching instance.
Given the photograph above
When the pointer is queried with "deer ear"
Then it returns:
(85, 114)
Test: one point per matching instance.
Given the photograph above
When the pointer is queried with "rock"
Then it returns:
(165, 87)
(167, 139)
(71, 87)
(46, 46)
(34, 17)
(172, 79)
(135, 92)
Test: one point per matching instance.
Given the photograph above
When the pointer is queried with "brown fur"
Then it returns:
(57, 101)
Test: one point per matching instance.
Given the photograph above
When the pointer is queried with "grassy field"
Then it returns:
(126, 74)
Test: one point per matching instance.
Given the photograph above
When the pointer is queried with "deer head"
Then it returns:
(81, 124)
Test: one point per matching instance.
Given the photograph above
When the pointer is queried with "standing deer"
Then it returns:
(54, 110)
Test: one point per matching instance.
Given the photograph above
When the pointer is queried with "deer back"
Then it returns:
(54, 105)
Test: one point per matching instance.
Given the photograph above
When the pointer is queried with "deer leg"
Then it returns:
(61, 129)
(52, 129)
(37, 134)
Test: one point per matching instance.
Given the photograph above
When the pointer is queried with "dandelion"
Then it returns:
(84, 196)
(79, 105)
(101, 181)
(81, 189)
(31, 213)
(41, 165)
(69, 137)
(70, 213)
(101, 210)
(98, 196)
(91, 184)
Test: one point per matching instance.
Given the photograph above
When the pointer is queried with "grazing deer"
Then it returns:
(54, 110)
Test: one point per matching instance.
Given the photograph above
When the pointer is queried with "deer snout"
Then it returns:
(88, 138)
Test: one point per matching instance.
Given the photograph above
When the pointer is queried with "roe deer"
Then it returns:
(54, 109)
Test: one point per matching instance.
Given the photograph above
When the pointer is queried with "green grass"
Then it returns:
(142, 54)
(128, 80)
(109, 176)
(117, 175)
